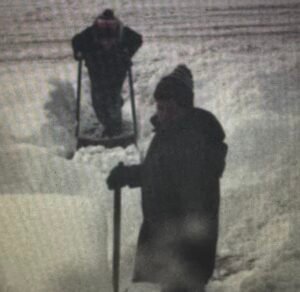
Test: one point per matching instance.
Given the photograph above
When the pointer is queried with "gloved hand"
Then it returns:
(117, 177)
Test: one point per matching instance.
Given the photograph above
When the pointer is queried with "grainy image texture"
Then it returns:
(56, 213)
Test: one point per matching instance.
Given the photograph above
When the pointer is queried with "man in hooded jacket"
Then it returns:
(107, 48)
(180, 189)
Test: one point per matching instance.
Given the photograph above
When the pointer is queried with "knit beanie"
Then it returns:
(178, 85)
(107, 14)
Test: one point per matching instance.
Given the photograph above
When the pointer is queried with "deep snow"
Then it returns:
(56, 213)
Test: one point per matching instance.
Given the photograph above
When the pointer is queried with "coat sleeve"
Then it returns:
(214, 132)
(81, 42)
(216, 148)
(132, 41)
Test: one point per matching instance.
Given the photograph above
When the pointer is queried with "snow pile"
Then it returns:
(53, 223)
(53, 243)
(57, 214)
(38, 107)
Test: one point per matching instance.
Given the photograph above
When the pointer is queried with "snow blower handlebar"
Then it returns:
(132, 98)
(78, 96)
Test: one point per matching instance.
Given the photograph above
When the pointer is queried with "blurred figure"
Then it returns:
(180, 189)
(107, 48)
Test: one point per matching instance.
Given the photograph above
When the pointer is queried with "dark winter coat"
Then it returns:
(180, 200)
(107, 67)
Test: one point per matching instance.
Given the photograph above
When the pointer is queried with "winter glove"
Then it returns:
(117, 177)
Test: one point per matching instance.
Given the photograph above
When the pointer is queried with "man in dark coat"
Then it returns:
(180, 189)
(107, 48)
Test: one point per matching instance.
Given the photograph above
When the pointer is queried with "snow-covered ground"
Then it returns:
(56, 213)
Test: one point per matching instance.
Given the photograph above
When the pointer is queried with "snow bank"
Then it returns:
(53, 243)
(54, 231)
(58, 214)
(38, 106)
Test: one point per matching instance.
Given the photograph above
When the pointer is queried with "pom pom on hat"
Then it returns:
(107, 24)
(107, 14)
(183, 75)
(178, 85)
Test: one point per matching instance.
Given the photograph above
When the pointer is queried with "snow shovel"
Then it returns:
(116, 239)
(78, 102)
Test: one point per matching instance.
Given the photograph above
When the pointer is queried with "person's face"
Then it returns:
(107, 32)
(167, 111)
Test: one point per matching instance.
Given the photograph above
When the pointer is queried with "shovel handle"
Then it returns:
(116, 240)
